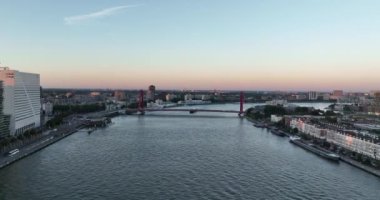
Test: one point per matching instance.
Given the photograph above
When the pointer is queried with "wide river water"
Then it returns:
(182, 156)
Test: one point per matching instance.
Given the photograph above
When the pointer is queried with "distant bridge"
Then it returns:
(141, 109)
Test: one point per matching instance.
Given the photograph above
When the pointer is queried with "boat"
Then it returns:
(258, 125)
(314, 149)
(13, 152)
(292, 138)
(277, 132)
(285, 133)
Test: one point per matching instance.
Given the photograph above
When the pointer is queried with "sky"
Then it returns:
(195, 44)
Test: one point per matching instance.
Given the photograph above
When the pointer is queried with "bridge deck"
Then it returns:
(193, 110)
(187, 110)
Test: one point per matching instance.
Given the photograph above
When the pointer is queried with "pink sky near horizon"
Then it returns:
(353, 79)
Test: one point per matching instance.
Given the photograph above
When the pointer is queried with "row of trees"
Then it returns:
(269, 110)
(62, 111)
(11, 142)
(87, 108)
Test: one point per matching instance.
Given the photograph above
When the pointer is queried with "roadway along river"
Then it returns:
(182, 157)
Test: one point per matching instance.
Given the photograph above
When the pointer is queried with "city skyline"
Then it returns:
(248, 45)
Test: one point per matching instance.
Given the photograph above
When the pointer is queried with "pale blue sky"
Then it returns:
(241, 44)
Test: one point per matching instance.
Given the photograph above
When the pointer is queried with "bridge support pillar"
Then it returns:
(140, 107)
(241, 112)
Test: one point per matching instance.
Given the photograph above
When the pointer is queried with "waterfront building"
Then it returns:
(170, 97)
(365, 146)
(326, 96)
(291, 97)
(205, 97)
(112, 106)
(313, 95)
(277, 103)
(337, 94)
(4, 119)
(120, 96)
(355, 144)
(188, 97)
(151, 93)
(21, 99)
(301, 97)
(275, 118)
(94, 94)
(69, 95)
(47, 107)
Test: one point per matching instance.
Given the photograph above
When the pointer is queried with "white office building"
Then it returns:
(21, 93)
(313, 95)
(188, 97)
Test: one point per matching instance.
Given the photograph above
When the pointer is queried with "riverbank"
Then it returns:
(52, 137)
(34, 147)
(360, 166)
(343, 158)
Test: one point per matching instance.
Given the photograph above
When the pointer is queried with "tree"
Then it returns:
(347, 108)
(175, 100)
(330, 113)
(258, 115)
(281, 124)
(332, 106)
(274, 110)
(132, 105)
(79, 108)
(301, 110)
(249, 110)
(316, 112)
(332, 119)
(295, 130)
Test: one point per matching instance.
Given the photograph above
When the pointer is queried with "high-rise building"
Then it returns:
(337, 94)
(21, 93)
(313, 95)
(151, 93)
(4, 119)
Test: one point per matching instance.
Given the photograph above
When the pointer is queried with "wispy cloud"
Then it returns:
(99, 14)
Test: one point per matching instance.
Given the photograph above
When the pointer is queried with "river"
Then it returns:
(182, 156)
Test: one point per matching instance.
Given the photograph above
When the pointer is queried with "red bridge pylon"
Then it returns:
(140, 106)
(241, 112)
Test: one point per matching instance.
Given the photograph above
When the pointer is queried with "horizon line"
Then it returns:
(227, 90)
